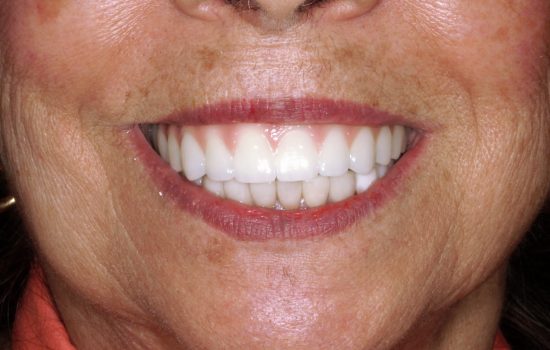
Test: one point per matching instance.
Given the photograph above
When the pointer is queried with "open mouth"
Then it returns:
(257, 179)
(281, 167)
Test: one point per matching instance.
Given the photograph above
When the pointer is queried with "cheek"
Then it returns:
(67, 48)
(496, 43)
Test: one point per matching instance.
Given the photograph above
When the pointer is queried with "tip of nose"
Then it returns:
(280, 13)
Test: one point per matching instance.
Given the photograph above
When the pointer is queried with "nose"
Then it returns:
(280, 10)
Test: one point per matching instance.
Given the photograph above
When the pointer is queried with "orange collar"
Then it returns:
(38, 325)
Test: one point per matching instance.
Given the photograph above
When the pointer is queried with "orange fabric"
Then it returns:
(500, 343)
(38, 326)
(37, 323)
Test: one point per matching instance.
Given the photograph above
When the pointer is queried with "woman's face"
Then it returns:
(120, 234)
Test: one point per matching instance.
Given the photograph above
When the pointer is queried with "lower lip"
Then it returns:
(248, 223)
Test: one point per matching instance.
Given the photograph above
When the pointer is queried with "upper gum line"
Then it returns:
(273, 133)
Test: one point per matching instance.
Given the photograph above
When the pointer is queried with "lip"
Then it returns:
(248, 223)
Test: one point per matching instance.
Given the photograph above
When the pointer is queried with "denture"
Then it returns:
(281, 167)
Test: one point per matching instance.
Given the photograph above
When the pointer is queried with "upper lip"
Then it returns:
(291, 111)
(251, 223)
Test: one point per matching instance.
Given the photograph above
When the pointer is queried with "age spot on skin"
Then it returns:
(209, 58)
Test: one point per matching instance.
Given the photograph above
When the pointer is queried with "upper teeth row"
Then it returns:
(253, 153)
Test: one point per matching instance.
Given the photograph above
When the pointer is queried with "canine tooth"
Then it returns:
(362, 152)
(194, 162)
(253, 160)
(219, 161)
(315, 191)
(341, 187)
(265, 194)
(237, 191)
(174, 155)
(296, 157)
(383, 146)
(215, 187)
(363, 182)
(334, 155)
(398, 139)
(289, 194)
(162, 142)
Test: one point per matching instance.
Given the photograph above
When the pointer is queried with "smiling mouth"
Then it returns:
(266, 171)
(282, 167)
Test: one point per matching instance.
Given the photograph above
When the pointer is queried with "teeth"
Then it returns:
(174, 156)
(194, 162)
(341, 187)
(162, 142)
(219, 161)
(383, 146)
(363, 182)
(281, 167)
(334, 155)
(362, 152)
(316, 191)
(254, 161)
(381, 170)
(237, 191)
(289, 194)
(264, 195)
(296, 157)
(215, 187)
(398, 141)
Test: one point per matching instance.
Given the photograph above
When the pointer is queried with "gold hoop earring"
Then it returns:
(6, 203)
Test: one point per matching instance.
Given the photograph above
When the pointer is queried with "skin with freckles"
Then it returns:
(129, 269)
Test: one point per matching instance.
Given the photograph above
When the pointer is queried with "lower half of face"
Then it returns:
(322, 182)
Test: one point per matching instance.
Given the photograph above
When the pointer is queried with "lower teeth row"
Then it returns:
(294, 195)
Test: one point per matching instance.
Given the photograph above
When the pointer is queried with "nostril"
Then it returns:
(244, 4)
(308, 4)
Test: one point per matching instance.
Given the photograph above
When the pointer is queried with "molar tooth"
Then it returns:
(315, 191)
(363, 182)
(194, 162)
(174, 155)
(162, 142)
(265, 194)
(219, 161)
(362, 152)
(398, 139)
(289, 194)
(341, 187)
(253, 160)
(383, 146)
(215, 187)
(237, 191)
(296, 157)
(334, 156)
